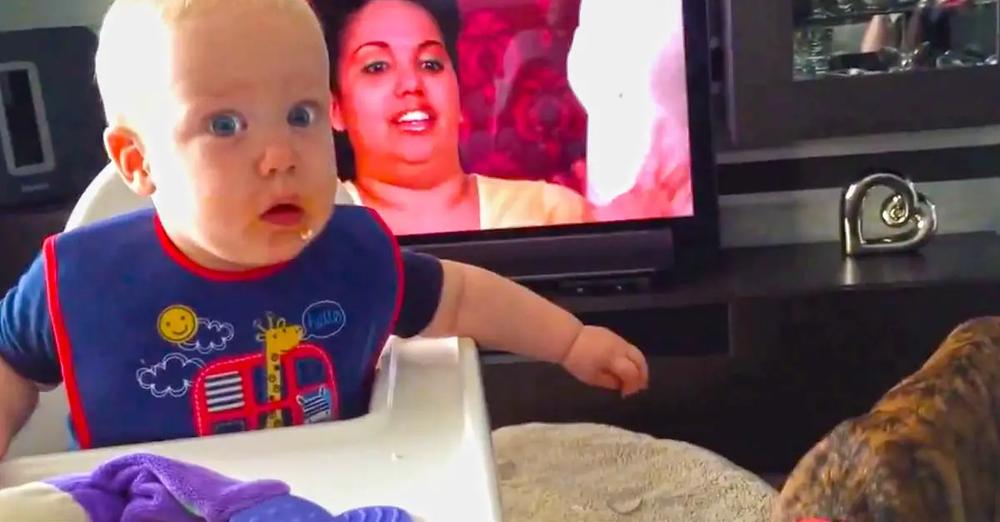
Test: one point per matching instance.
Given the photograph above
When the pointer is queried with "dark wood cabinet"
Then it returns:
(757, 354)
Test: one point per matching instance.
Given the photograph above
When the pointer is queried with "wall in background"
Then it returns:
(30, 14)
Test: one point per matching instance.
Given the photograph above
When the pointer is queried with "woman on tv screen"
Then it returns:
(501, 142)
(397, 98)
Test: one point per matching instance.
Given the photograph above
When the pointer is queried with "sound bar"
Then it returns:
(546, 258)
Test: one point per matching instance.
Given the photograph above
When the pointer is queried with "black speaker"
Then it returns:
(51, 120)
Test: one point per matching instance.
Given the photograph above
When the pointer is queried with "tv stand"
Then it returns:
(756, 353)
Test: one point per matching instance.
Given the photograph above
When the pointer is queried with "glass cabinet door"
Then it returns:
(812, 69)
(862, 37)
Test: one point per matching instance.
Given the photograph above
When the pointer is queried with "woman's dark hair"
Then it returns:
(336, 15)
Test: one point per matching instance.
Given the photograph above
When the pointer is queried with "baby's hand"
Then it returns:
(601, 358)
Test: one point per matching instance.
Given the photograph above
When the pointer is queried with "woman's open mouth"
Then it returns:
(415, 121)
(284, 215)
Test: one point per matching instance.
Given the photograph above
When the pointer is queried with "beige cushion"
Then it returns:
(588, 472)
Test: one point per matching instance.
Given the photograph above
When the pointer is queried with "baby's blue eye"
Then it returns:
(227, 124)
(301, 116)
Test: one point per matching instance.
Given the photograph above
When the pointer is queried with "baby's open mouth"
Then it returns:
(284, 215)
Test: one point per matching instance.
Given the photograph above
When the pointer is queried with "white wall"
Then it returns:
(30, 14)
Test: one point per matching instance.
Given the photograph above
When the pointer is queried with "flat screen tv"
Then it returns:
(539, 138)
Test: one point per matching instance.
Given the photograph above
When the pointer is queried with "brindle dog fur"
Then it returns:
(929, 450)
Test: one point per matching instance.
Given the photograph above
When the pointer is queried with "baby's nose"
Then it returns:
(277, 159)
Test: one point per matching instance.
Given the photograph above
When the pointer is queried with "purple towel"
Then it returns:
(148, 488)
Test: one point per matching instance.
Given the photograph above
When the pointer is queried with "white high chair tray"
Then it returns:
(425, 447)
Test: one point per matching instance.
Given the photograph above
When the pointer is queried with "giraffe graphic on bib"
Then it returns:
(279, 338)
(281, 379)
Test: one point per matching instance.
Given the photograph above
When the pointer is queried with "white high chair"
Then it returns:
(425, 445)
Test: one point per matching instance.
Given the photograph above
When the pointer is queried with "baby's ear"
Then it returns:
(126, 151)
(336, 117)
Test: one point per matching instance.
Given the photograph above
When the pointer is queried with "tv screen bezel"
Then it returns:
(699, 229)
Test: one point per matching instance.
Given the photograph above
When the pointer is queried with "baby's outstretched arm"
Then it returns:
(500, 314)
(18, 398)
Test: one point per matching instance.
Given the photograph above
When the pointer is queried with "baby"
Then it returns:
(245, 299)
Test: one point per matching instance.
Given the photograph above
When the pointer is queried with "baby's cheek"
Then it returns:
(226, 221)
(321, 192)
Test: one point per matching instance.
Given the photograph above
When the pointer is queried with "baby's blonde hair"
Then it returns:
(135, 32)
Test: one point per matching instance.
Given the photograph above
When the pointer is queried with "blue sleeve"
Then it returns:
(27, 343)
(423, 277)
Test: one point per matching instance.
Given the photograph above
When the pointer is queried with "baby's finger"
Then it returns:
(629, 374)
(639, 359)
(605, 380)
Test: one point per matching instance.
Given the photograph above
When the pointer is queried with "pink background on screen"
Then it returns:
(521, 119)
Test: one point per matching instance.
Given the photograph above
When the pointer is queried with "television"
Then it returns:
(542, 139)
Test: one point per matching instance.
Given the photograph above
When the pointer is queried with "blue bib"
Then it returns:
(153, 347)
